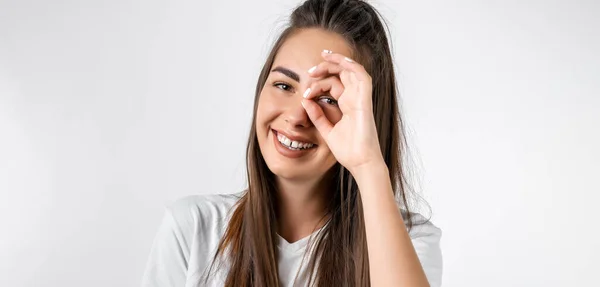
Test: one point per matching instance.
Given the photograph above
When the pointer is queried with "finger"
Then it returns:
(318, 118)
(324, 68)
(331, 85)
(347, 64)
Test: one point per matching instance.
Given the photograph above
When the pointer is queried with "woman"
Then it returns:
(324, 174)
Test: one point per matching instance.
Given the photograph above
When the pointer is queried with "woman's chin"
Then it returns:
(290, 174)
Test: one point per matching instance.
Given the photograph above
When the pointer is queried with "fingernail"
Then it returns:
(306, 93)
(327, 51)
(312, 69)
(348, 59)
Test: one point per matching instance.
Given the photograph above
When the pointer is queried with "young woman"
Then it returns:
(326, 203)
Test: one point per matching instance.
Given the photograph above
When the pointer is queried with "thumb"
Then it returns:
(316, 115)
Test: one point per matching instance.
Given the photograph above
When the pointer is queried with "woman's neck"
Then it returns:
(301, 206)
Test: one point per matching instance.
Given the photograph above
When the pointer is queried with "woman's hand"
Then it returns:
(353, 139)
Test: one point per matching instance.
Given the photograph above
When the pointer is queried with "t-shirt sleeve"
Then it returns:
(168, 260)
(426, 241)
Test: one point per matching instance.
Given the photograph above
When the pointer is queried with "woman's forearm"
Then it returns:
(392, 257)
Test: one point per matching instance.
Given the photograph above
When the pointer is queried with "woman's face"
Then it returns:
(280, 116)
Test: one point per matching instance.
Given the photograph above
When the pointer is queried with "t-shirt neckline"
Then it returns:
(299, 244)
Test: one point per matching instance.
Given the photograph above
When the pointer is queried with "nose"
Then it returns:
(296, 114)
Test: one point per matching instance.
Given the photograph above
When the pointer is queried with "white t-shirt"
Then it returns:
(192, 227)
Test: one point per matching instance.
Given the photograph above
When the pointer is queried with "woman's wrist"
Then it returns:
(367, 172)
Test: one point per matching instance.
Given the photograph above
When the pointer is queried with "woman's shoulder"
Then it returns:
(188, 234)
(202, 208)
(203, 201)
(422, 226)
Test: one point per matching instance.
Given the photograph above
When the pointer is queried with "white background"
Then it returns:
(110, 110)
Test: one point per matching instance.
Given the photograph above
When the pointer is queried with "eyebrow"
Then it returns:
(287, 72)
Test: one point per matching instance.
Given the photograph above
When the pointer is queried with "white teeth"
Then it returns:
(293, 144)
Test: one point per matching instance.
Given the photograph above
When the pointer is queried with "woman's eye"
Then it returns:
(283, 86)
(329, 100)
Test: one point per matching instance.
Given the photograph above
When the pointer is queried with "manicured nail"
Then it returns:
(306, 93)
(327, 51)
(349, 60)
(312, 69)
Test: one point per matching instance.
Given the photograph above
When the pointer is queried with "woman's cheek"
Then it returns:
(270, 106)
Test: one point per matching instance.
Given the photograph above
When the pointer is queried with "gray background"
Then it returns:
(110, 110)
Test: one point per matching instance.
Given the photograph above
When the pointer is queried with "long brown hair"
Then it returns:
(341, 249)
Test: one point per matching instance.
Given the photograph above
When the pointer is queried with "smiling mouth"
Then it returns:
(293, 144)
